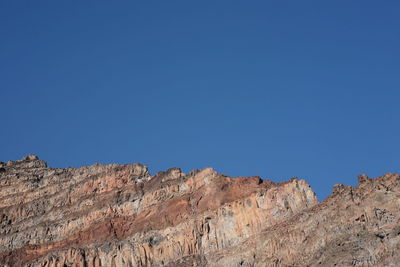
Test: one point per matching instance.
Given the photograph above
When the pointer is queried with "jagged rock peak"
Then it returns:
(28, 161)
(30, 157)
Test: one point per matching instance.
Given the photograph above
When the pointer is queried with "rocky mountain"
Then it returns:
(120, 215)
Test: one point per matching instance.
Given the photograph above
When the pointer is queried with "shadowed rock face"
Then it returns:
(120, 215)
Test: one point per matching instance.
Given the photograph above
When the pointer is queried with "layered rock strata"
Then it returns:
(120, 215)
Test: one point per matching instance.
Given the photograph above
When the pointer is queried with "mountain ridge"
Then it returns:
(121, 215)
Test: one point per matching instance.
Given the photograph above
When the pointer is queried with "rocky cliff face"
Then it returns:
(120, 215)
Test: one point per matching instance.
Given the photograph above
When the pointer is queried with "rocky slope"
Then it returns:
(120, 215)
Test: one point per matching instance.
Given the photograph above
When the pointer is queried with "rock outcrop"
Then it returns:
(120, 215)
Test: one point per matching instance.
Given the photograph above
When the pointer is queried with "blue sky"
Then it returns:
(279, 89)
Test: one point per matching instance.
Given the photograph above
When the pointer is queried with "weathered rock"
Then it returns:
(120, 215)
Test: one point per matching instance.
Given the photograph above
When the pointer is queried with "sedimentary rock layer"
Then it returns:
(120, 215)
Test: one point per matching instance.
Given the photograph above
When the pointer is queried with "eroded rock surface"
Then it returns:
(120, 215)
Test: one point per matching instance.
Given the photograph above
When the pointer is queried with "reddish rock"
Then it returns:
(120, 215)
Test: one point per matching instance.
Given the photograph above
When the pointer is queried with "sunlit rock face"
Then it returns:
(120, 215)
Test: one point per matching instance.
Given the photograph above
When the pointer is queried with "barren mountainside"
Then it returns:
(120, 215)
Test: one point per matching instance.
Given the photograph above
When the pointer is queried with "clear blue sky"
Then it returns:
(272, 88)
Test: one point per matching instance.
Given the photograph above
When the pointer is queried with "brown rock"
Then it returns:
(120, 215)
